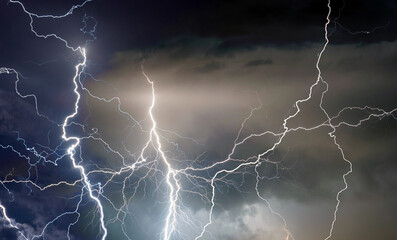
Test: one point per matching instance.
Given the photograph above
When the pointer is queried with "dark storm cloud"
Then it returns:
(209, 67)
(206, 59)
(32, 211)
(238, 24)
(7, 232)
(258, 62)
(14, 112)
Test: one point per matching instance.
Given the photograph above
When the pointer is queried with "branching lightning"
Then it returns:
(154, 157)
(71, 150)
(171, 174)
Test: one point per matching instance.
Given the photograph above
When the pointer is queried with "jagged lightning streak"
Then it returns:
(171, 173)
(4, 213)
(71, 150)
(283, 134)
(79, 68)
(332, 133)
(155, 140)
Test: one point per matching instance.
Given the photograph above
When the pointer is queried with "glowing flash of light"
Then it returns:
(171, 173)
(79, 68)
(4, 213)
(71, 150)
(174, 186)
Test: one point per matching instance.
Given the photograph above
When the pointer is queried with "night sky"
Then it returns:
(224, 120)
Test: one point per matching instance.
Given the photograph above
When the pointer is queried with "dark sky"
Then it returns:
(216, 66)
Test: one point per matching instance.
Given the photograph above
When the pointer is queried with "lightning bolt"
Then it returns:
(171, 173)
(204, 187)
(4, 213)
(79, 68)
(281, 136)
(71, 150)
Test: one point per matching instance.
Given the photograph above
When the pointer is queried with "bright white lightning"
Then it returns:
(4, 213)
(71, 150)
(172, 175)
(79, 68)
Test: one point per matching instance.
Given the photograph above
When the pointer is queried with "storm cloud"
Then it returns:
(212, 64)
